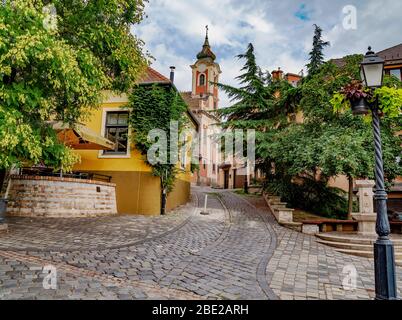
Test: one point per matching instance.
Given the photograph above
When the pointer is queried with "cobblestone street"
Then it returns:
(238, 251)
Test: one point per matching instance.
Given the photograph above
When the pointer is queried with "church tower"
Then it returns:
(204, 71)
(202, 98)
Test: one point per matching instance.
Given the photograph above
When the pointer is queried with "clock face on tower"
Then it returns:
(202, 67)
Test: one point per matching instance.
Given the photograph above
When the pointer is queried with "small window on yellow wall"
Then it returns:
(117, 131)
(202, 80)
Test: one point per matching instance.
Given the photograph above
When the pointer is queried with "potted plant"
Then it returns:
(357, 96)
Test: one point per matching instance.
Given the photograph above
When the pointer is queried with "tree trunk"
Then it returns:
(350, 198)
(245, 185)
(2, 180)
(163, 201)
(198, 178)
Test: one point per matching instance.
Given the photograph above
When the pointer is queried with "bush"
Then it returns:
(310, 195)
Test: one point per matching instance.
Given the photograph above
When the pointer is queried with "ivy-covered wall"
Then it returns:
(137, 190)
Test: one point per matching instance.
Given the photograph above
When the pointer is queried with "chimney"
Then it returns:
(172, 68)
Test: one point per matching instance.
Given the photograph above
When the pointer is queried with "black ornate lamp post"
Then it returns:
(372, 70)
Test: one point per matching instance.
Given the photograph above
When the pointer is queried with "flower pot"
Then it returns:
(360, 106)
(3, 209)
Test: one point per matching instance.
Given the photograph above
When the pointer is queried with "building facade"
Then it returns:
(137, 190)
(203, 99)
(393, 61)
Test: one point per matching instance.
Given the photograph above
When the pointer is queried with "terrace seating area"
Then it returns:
(50, 172)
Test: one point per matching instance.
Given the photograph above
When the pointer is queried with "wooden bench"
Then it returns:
(328, 225)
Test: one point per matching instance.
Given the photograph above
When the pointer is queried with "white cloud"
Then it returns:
(175, 30)
(259, 23)
(230, 70)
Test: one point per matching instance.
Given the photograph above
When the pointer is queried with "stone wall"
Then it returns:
(35, 196)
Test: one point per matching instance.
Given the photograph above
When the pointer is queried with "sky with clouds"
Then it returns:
(281, 32)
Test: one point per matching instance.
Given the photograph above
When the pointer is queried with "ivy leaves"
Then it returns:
(390, 101)
(154, 107)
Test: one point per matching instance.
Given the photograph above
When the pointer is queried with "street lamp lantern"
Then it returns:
(372, 70)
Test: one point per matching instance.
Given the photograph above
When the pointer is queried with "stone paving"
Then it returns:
(68, 234)
(236, 252)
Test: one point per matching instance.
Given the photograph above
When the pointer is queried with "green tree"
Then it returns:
(299, 159)
(254, 105)
(103, 28)
(53, 67)
(261, 103)
(156, 107)
(250, 99)
(316, 54)
(328, 143)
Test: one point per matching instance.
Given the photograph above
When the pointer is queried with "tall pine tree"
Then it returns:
(254, 102)
(316, 54)
(257, 103)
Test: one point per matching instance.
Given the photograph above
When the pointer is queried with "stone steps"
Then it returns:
(359, 253)
(3, 227)
(297, 226)
(346, 245)
(365, 253)
(351, 243)
(351, 237)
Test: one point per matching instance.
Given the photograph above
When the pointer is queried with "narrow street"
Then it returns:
(237, 251)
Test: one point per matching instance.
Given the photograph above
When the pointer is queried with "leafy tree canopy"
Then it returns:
(56, 71)
(300, 158)
(328, 144)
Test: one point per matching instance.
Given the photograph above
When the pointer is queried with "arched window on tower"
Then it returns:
(201, 81)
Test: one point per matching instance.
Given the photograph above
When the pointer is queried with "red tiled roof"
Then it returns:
(153, 76)
(391, 56)
(293, 75)
(339, 62)
(393, 53)
(193, 103)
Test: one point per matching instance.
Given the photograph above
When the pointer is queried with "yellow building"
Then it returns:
(137, 191)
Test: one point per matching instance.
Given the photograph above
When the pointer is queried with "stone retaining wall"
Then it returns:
(35, 196)
(282, 214)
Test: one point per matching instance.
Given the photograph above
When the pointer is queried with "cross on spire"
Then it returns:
(206, 48)
(206, 42)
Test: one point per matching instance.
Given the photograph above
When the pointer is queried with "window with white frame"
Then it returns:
(116, 130)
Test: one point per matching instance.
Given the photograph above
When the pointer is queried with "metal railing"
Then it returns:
(50, 172)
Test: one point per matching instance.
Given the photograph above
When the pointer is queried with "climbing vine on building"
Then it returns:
(154, 108)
